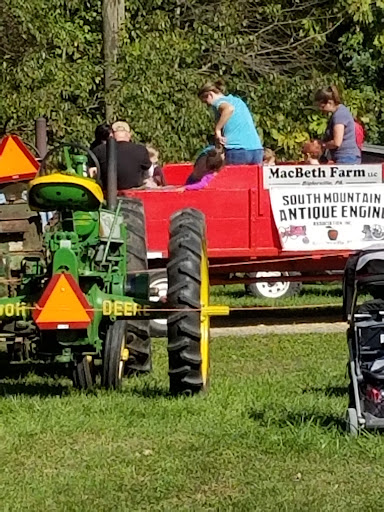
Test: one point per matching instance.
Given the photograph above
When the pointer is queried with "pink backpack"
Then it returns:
(360, 134)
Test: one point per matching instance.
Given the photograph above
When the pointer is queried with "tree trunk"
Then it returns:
(113, 17)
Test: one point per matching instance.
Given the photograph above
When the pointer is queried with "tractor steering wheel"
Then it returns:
(73, 145)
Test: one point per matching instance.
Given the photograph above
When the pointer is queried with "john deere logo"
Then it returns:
(122, 308)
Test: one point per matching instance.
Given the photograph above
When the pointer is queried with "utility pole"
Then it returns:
(113, 12)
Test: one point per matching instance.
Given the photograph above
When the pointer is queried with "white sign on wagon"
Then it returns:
(324, 218)
(276, 175)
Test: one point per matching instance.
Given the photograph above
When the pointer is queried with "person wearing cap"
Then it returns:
(132, 159)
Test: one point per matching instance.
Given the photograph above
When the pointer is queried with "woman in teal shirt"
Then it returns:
(235, 128)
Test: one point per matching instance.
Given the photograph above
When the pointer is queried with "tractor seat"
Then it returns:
(59, 191)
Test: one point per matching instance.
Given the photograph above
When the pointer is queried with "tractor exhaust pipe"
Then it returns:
(41, 136)
(111, 174)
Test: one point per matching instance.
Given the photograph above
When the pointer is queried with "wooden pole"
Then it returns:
(113, 12)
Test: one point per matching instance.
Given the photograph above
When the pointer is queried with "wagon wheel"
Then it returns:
(159, 285)
(188, 292)
(115, 355)
(83, 375)
(276, 290)
(139, 341)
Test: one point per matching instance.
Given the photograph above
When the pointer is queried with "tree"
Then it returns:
(113, 13)
(273, 53)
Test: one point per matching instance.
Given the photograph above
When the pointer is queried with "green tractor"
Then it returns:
(82, 299)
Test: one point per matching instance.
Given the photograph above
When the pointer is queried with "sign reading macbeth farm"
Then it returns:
(276, 175)
(332, 217)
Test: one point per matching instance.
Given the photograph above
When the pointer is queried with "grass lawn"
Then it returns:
(311, 294)
(268, 436)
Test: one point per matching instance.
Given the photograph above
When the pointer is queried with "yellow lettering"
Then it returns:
(118, 308)
(142, 309)
(20, 308)
(107, 307)
(9, 310)
(128, 309)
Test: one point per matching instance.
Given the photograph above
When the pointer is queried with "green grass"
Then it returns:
(234, 295)
(268, 437)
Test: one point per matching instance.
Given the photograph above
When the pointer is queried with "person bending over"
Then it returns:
(234, 128)
(132, 159)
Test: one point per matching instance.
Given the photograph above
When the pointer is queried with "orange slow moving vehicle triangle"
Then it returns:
(16, 161)
(63, 305)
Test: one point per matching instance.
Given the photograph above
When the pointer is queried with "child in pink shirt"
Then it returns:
(204, 173)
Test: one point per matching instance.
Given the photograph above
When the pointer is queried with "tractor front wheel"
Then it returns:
(188, 294)
(83, 373)
(115, 355)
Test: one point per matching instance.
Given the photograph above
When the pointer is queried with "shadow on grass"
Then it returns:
(149, 390)
(322, 290)
(44, 380)
(37, 389)
(337, 391)
(286, 419)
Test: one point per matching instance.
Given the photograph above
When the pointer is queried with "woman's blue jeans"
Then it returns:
(243, 156)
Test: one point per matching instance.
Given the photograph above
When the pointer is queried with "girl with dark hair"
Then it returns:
(235, 128)
(204, 173)
(340, 135)
(102, 134)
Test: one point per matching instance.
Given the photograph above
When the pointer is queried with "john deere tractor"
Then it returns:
(83, 299)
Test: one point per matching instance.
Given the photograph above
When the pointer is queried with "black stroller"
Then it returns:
(364, 274)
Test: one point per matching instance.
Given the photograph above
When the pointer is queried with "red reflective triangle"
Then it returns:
(63, 305)
(16, 161)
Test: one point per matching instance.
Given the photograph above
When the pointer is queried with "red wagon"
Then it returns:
(244, 244)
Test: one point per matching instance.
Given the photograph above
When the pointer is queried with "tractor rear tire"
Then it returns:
(83, 374)
(188, 289)
(139, 341)
(115, 355)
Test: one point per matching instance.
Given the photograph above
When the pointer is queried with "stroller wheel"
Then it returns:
(352, 424)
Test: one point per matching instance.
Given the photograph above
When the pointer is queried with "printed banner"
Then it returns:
(276, 175)
(316, 218)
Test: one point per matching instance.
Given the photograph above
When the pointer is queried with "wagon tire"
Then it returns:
(138, 331)
(262, 290)
(159, 281)
(188, 289)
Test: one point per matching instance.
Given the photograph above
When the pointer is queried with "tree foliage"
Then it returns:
(273, 53)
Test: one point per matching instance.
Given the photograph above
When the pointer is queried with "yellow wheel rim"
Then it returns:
(124, 354)
(204, 316)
